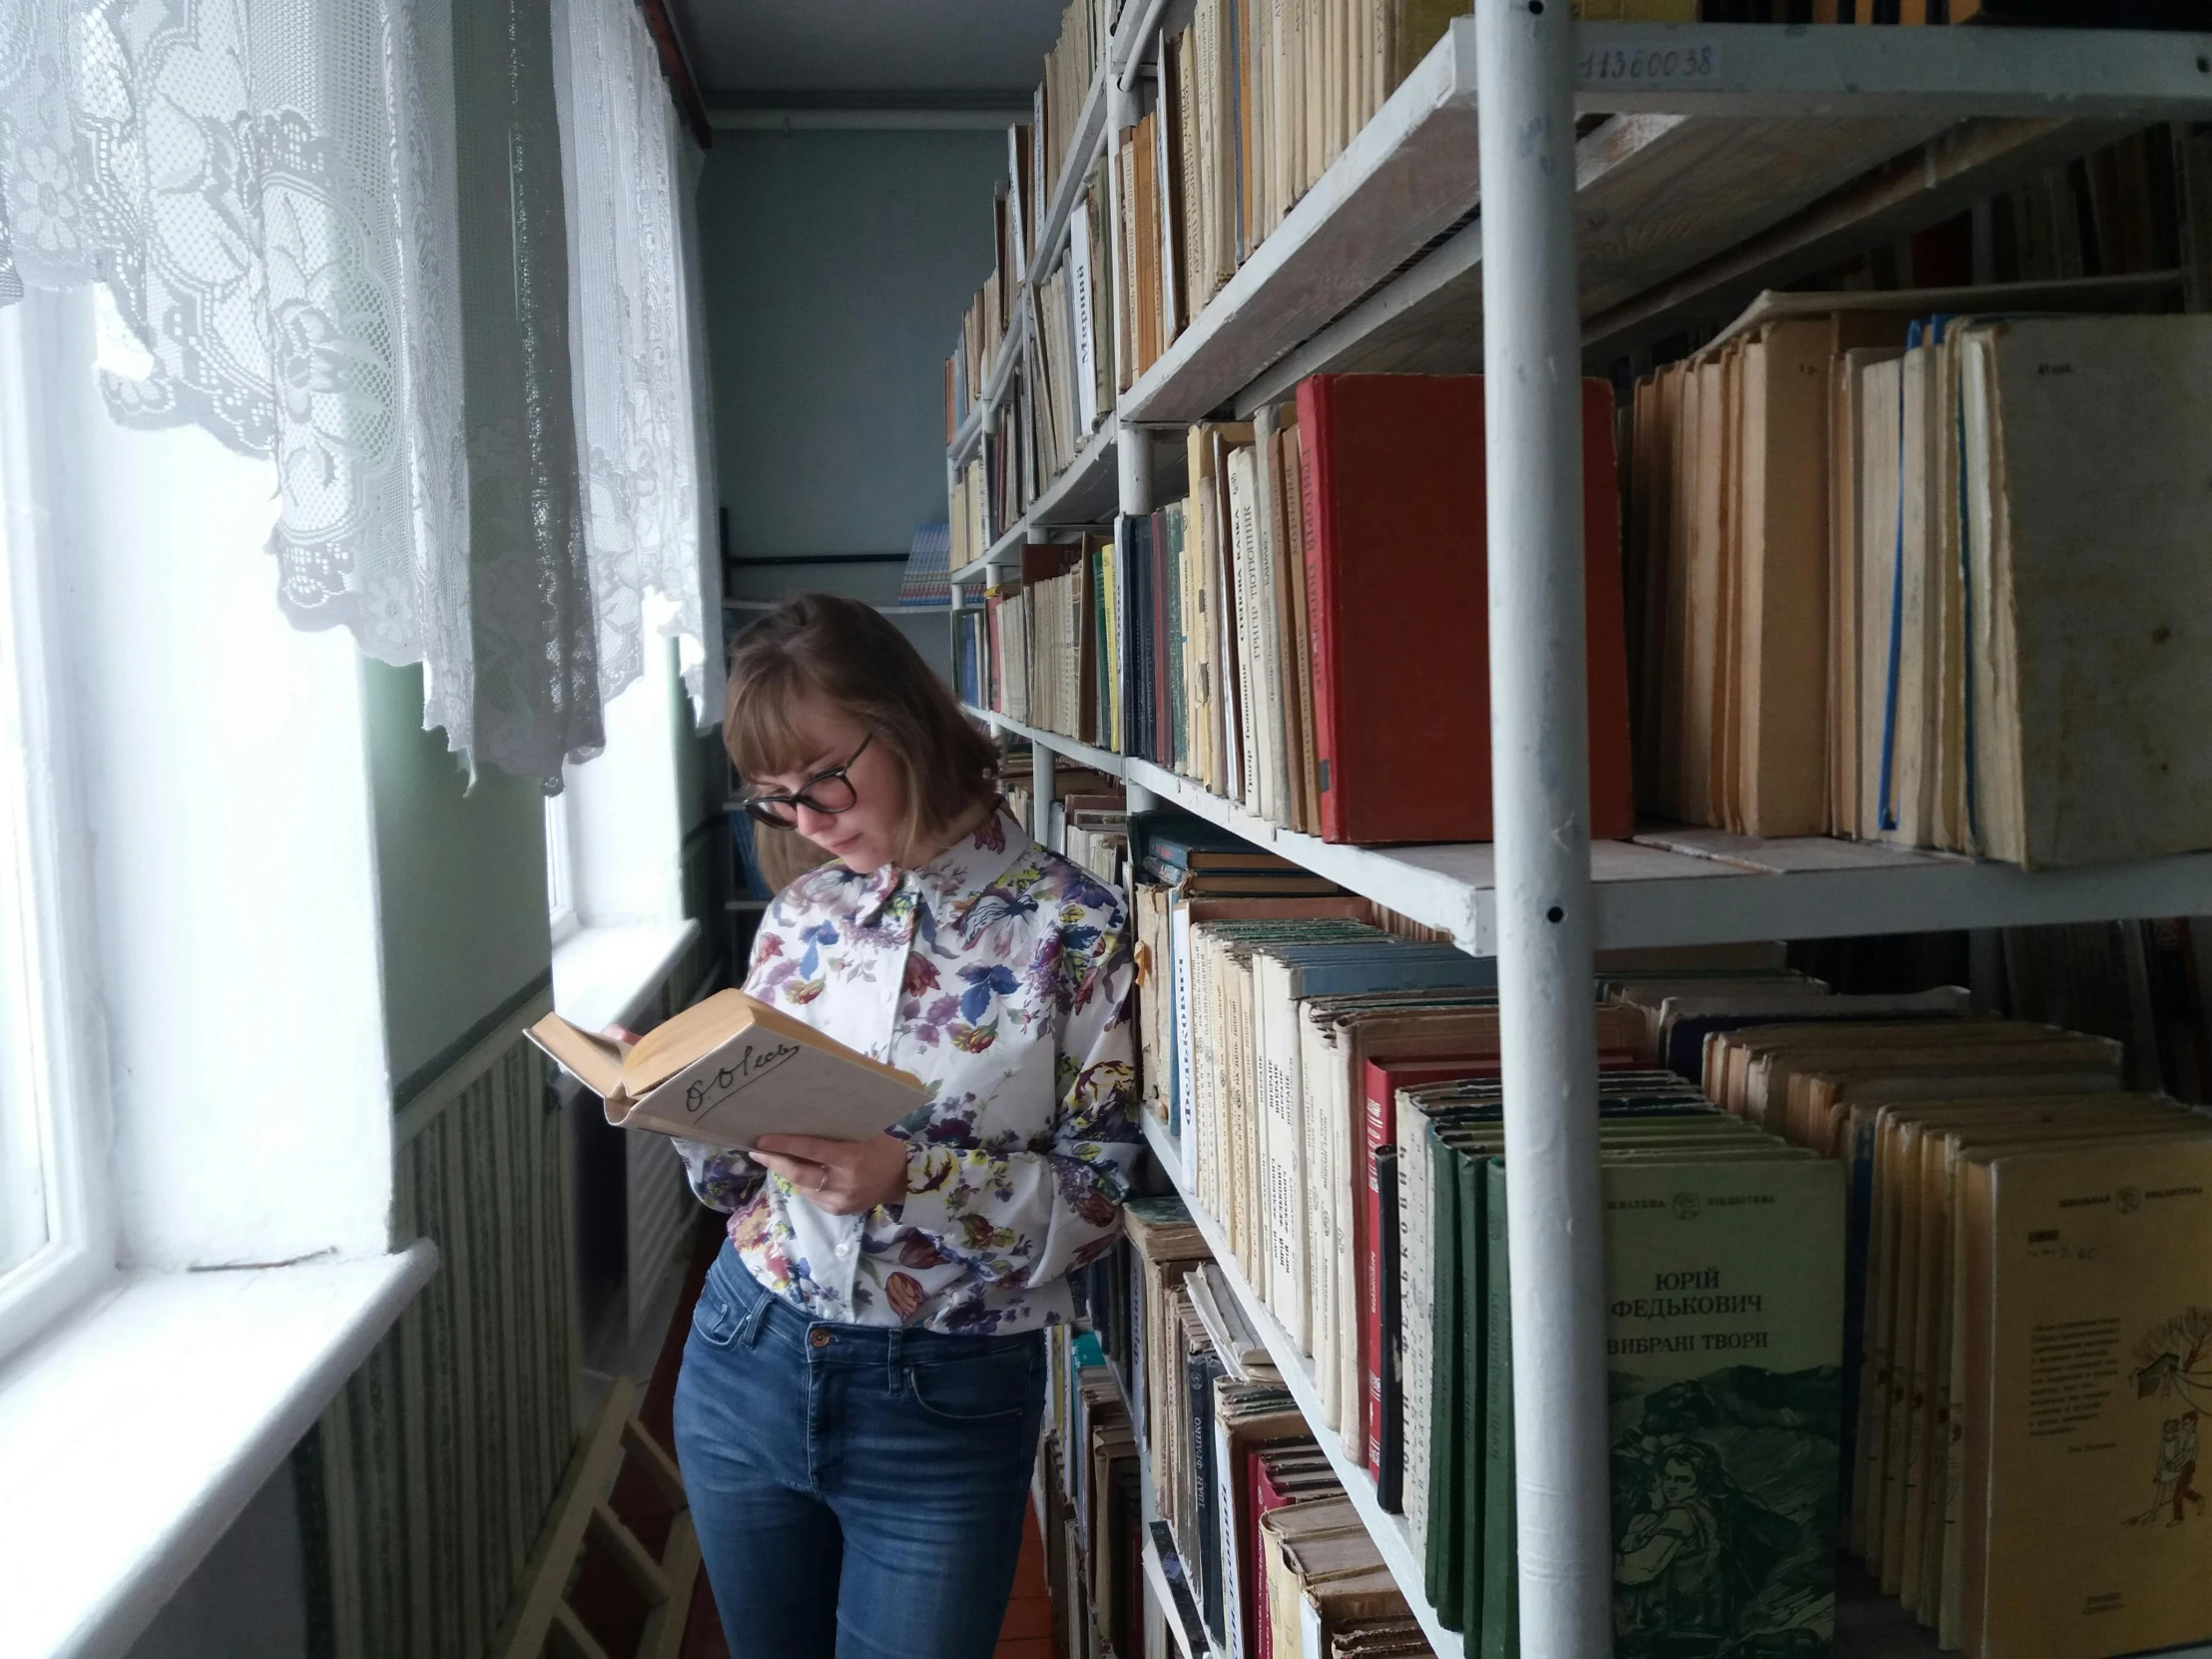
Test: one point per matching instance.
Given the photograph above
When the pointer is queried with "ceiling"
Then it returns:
(897, 52)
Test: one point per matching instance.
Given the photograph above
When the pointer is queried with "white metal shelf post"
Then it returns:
(1041, 781)
(1132, 446)
(1525, 55)
(1133, 461)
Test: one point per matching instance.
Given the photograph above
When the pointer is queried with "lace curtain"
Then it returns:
(639, 392)
(330, 262)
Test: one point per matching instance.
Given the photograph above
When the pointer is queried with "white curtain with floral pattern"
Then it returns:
(327, 260)
(636, 344)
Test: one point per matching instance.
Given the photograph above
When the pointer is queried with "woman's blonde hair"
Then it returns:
(851, 656)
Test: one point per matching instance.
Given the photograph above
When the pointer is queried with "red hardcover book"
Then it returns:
(1385, 1077)
(1398, 591)
(1043, 560)
(1249, 1483)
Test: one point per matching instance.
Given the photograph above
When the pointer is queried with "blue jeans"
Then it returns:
(858, 1489)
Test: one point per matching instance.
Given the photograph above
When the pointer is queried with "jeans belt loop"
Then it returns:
(756, 1319)
(891, 1351)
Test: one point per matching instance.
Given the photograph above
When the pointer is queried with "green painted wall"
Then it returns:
(461, 875)
(837, 267)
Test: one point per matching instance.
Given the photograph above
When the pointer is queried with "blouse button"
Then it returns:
(818, 1336)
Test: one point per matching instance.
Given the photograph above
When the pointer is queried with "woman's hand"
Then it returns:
(846, 1178)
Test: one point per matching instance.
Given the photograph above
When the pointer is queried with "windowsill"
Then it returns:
(135, 1433)
(605, 975)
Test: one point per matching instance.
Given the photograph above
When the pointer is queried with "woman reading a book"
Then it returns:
(860, 1395)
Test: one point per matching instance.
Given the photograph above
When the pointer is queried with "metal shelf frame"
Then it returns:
(1730, 156)
(1697, 886)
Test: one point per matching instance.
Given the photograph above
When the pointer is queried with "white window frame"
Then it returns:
(52, 980)
(562, 920)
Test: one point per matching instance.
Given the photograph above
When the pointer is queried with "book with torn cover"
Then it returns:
(728, 1070)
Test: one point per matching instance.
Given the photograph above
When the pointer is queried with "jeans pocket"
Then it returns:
(990, 1388)
(715, 1317)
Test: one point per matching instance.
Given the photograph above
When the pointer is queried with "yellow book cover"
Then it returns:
(2096, 1536)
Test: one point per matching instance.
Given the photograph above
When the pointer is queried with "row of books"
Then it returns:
(2027, 1316)
(1070, 67)
(2141, 984)
(983, 328)
(1055, 402)
(1011, 465)
(1250, 103)
(1291, 1090)
(1276, 635)
(1050, 657)
(1069, 369)
(1093, 1522)
(1089, 817)
(1033, 170)
(1918, 578)
(969, 514)
(2115, 211)
(1258, 1533)
(1296, 1098)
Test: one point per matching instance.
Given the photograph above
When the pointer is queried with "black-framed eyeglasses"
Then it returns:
(827, 792)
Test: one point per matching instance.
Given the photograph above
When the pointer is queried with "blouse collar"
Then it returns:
(958, 876)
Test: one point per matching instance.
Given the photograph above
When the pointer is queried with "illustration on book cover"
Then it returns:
(1724, 1507)
(2174, 1366)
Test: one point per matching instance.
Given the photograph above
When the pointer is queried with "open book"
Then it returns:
(728, 1070)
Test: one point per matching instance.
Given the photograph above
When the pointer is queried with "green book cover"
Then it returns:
(1473, 1369)
(1724, 1356)
(1447, 1451)
(1724, 1349)
(1500, 1559)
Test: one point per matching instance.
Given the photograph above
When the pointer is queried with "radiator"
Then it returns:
(424, 1487)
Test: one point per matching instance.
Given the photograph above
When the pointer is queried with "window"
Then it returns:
(53, 1242)
(25, 1226)
(614, 834)
(560, 870)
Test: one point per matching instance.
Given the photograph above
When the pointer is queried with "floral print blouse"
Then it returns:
(999, 974)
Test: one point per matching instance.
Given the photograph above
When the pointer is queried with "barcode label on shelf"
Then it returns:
(1650, 66)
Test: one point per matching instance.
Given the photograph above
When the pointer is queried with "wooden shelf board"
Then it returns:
(1083, 146)
(1087, 491)
(971, 435)
(965, 437)
(1084, 494)
(1407, 177)
(1804, 147)
(1704, 887)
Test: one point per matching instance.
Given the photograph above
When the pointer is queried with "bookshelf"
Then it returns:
(1708, 162)
(1696, 887)
(1379, 268)
(1387, 1530)
(995, 383)
(1192, 1640)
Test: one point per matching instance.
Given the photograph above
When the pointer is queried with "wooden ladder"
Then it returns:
(543, 1621)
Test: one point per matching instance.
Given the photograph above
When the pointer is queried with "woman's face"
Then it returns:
(867, 834)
